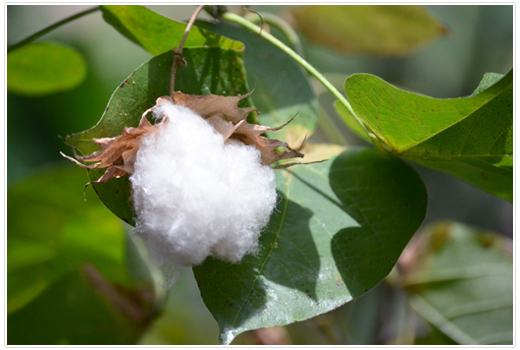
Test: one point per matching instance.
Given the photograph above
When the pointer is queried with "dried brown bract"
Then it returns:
(118, 154)
(230, 120)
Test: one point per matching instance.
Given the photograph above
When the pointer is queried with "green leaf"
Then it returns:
(338, 230)
(44, 68)
(158, 34)
(461, 281)
(282, 89)
(208, 70)
(71, 312)
(53, 231)
(380, 30)
(469, 137)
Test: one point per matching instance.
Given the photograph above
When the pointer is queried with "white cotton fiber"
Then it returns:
(196, 196)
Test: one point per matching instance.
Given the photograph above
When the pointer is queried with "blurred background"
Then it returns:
(479, 40)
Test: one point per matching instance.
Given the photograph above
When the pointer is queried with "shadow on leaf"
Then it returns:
(388, 200)
(235, 293)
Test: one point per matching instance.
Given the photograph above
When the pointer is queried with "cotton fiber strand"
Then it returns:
(197, 196)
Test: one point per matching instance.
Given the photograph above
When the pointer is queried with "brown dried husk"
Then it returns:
(118, 154)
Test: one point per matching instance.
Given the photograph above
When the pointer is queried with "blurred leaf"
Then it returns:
(141, 270)
(460, 279)
(158, 34)
(434, 337)
(52, 231)
(72, 312)
(282, 89)
(469, 137)
(185, 320)
(352, 123)
(44, 68)
(355, 323)
(380, 30)
(209, 70)
(338, 230)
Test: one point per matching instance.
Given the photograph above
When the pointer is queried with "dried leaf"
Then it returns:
(117, 154)
(230, 120)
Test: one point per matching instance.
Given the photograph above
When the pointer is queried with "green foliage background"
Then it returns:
(480, 41)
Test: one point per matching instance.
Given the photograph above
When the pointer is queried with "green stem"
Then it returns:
(46, 30)
(281, 24)
(255, 29)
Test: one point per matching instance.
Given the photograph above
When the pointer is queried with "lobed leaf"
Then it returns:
(39, 69)
(338, 230)
(460, 279)
(158, 34)
(379, 30)
(469, 137)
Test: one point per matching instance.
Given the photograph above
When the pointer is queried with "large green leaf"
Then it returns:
(380, 30)
(282, 89)
(469, 137)
(157, 34)
(209, 70)
(52, 231)
(461, 281)
(44, 68)
(338, 229)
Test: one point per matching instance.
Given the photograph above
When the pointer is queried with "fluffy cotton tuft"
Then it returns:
(197, 196)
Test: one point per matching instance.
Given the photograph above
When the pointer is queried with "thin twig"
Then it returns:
(257, 14)
(46, 30)
(282, 25)
(177, 58)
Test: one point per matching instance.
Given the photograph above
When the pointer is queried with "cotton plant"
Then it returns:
(201, 178)
(205, 187)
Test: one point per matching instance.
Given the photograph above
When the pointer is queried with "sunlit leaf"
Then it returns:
(44, 68)
(339, 228)
(158, 34)
(469, 137)
(381, 30)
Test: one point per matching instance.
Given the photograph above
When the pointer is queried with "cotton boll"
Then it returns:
(197, 196)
